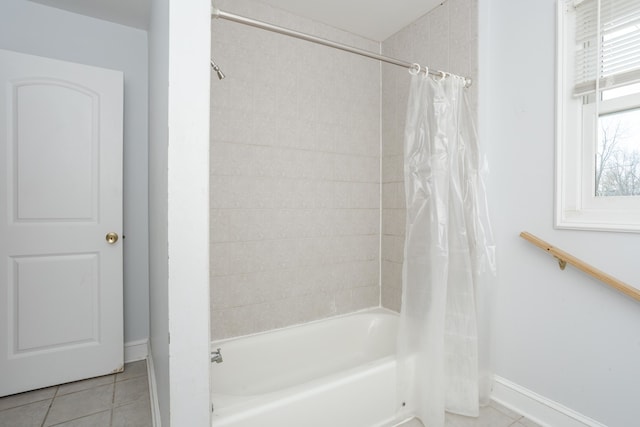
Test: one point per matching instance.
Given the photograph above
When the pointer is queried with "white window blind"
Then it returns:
(609, 49)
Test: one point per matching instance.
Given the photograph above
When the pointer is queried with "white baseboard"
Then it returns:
(136, 350)
(141, 350)
(153, 391)
(538, 408)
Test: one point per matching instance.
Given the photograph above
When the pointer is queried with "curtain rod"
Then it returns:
(219, 14)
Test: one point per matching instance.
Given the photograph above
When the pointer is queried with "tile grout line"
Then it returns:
(44, 420)
(516, 421)
(57, 393)
(87, 415)
(78, 418)
(113, 399)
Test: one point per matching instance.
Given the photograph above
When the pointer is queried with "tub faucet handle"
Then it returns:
(216, 356)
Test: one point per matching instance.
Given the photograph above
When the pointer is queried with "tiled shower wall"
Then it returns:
(295, 164)
(444, 39)
(295, 175)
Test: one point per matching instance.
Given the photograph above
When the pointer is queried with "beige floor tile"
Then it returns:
(30, 415)
(132, 370)
(76, 405)
(508, 412)
(131, 390)
(136, 414)
(489, 417)
(84, 384)
(528, 423)
(101, 419)
(28, 397)
(494, 415)
(111, 401)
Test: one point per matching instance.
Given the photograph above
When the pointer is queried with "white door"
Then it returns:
(61, 316)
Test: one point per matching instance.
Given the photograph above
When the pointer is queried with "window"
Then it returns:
(598, 115)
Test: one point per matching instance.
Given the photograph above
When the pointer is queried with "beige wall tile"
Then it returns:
(392, 290)
(393, 222)
(295, 172)
(298, 185)
(393, 248)
(393, 168)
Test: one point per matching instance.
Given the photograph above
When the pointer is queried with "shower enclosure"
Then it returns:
(307, 193)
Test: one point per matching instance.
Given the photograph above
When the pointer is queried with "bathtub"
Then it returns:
(338, 372)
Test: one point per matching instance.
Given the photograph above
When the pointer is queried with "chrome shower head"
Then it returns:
(217, 70)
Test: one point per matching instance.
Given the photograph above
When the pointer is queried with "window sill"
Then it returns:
(598, 220)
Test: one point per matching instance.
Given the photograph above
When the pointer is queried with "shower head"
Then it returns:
(217, 70)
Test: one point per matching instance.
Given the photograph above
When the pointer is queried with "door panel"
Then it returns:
(60, 194)
(40, 287)
(39, 135)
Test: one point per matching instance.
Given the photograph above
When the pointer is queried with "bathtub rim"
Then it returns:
(370, 310)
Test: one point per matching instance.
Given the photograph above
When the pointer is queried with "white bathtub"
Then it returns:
(338, 372)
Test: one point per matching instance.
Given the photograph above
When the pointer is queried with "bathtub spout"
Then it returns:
(216, 356)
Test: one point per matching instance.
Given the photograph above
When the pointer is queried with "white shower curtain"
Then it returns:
(443, 359)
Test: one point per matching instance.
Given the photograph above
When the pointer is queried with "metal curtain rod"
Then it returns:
(219, 14)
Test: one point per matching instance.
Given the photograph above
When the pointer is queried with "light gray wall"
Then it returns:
(188, 208)
(444, 39)
(558, 333)
(179, 50)
(40, 30)
(294, 175)
(158, 205)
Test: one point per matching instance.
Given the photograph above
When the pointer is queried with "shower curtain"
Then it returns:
(448, 261)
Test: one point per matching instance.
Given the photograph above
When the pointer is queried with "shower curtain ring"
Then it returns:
(414, 69)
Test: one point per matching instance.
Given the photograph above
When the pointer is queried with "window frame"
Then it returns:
(576, 206)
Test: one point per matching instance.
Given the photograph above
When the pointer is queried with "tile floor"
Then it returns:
(493, 415)
(122, 400)
(117, 400)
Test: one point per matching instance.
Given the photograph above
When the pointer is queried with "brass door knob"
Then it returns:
(111, 237)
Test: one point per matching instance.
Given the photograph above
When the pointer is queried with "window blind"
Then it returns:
(618, 56)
